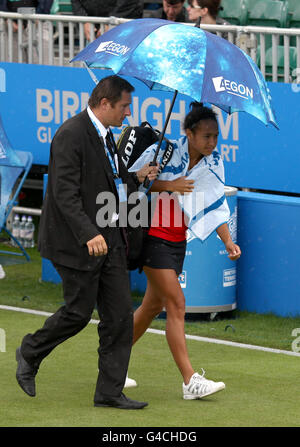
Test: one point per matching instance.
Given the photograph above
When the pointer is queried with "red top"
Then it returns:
(168, 219)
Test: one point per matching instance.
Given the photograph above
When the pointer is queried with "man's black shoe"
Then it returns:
(25, 374)
(122, 402)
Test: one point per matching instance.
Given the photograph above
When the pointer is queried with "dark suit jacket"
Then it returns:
(78, 171)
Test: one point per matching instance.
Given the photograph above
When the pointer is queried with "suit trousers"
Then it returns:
(106, 288)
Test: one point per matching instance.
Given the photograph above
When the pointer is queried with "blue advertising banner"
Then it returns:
(35, 100)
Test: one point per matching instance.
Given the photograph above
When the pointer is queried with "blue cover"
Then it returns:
(175, 56)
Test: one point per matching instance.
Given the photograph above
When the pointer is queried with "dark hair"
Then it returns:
(197, 114)
(110, 88)
(213, 6)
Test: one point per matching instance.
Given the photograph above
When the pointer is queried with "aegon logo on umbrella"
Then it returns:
(112, 48)
(232, 87)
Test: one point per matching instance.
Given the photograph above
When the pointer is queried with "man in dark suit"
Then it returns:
(88, 251)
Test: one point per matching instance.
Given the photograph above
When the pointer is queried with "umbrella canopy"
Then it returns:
(174, 56)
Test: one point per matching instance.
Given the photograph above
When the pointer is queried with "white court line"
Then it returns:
(156, 331)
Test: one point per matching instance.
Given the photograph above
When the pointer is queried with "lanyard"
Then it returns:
(118, 181)
(111, 161)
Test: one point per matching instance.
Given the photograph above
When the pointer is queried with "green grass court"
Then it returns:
(262, 388)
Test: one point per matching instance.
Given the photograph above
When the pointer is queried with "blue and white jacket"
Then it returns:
(206, 207)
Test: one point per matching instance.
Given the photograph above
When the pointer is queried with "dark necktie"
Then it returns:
(111, 147)
(109, 144)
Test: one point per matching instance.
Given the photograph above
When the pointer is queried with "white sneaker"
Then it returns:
(2, 272)
(129, 383)
(199, 387)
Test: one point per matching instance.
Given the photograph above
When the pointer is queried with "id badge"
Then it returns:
(121, 190)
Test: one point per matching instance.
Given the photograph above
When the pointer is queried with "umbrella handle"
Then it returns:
(153, 162)
(161, 137)
(146, 183)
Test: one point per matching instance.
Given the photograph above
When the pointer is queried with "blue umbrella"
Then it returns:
(177, 57)
(167, 55)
